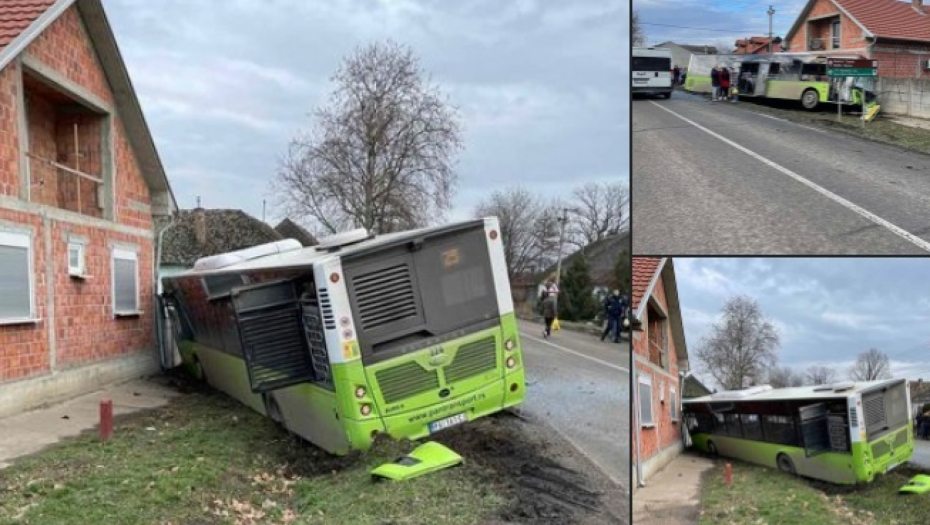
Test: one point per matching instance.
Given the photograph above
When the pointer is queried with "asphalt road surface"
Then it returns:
(715, 179)
(581, 386)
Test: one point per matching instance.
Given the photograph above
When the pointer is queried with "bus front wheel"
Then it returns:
(785, 464)
(712, 448)
(810, 98)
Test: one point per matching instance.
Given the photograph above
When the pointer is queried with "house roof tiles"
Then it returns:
(644, 269)
(890, 18)
(17, 15)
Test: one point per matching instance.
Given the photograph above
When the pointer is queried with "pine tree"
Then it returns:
(576, 299)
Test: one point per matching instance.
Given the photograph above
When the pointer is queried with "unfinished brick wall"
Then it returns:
(9, 137)
(851, 36)
(84, 330)
(901, 60)
(665, 432)
(24, 348)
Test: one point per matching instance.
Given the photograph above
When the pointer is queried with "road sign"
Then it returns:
(851, 67)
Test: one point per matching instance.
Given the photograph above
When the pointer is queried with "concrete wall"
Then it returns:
(904, 96)
(75, 340)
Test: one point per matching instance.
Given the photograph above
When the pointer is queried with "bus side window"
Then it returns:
(774, 68)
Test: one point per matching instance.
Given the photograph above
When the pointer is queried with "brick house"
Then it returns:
(80, 183)
(894, 32)
(660, 356)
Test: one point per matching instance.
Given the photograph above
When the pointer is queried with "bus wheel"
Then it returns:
(199, 372)
(712, 448)
(667, 95)
(810, 98)
(785, 464)
(273, 410)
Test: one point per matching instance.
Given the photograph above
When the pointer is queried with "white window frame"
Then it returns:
(81, 269)
(125, 255)
(22, 240)
(647, 381)
(836, 40)
(673, 404)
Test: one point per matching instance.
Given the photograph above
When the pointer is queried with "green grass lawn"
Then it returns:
(766, 496)
(207, 459)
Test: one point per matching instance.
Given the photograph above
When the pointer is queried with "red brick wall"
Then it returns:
(85, 330)
(901, 60)
(665, 432)
(850, 34)
(9, 138)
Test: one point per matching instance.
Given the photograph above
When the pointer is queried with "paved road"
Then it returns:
(921, 457)
(581, 386)
(713, 178)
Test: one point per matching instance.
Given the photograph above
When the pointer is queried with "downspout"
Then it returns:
(159, 324)
(639, 415)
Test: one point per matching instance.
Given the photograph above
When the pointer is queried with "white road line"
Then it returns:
(786, 121)
(579, 354)
(897, 230)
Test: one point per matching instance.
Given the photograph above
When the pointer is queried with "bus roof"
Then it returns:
(767, 393)
(295, 258)
(652, 51)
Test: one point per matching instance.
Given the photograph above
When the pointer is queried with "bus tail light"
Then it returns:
(511, 362)
(360, 392)
(508, 344)
(366, 409)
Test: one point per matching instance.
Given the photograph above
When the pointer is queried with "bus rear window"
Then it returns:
(652, 64)
(404, 299)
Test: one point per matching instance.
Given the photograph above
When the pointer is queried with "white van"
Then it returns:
(652, 71)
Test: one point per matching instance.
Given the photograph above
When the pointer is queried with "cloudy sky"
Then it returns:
(826, 310)
(714, 22)
(542, 86)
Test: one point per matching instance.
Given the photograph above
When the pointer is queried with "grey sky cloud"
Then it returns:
(542, 87)
(827, 310)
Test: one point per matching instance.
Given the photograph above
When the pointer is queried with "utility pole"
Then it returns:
(770, 13)
(263, 210)
(563, 219)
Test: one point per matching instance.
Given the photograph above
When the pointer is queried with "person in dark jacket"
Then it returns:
(714, 83)
(614, 307)
(724, 83)
(549, 312)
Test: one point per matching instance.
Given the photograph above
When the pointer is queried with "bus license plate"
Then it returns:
(450, 421)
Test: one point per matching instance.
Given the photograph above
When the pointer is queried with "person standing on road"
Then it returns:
(549, 311)
(613, 307)
(714, 83)
(676, 74)
(724, 83)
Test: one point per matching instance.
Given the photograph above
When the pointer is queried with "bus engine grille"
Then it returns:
(880, 448)
(406, 380)
(385, 296)
(473, 359)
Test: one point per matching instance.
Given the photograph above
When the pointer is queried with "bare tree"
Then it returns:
(528, 228)
(381, 153)
(637, 34)
(598, 212)
(783, 377)
(820, 375)
(870, 365)
(741, 347)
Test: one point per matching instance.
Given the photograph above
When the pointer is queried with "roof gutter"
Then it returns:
(158, 246)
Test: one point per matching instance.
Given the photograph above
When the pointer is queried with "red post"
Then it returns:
(729, 474)
(106, 419)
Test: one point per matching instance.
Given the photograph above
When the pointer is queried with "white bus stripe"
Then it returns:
(901, 232)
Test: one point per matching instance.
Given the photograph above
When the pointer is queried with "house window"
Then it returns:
(125, 283)
(673, 403)
(16, 302)
(835, 33)
(220, 286)
(658, 338)
(76, 259)
(645, 401)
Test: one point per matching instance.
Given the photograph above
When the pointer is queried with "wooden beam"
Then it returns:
(73, 171)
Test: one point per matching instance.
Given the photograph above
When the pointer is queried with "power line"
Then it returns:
(698, 28)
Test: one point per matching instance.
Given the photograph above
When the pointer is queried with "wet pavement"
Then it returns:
(580, 386)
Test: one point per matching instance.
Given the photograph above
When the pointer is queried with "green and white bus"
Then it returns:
(800, 77)
(406, 333)
(845, 433)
